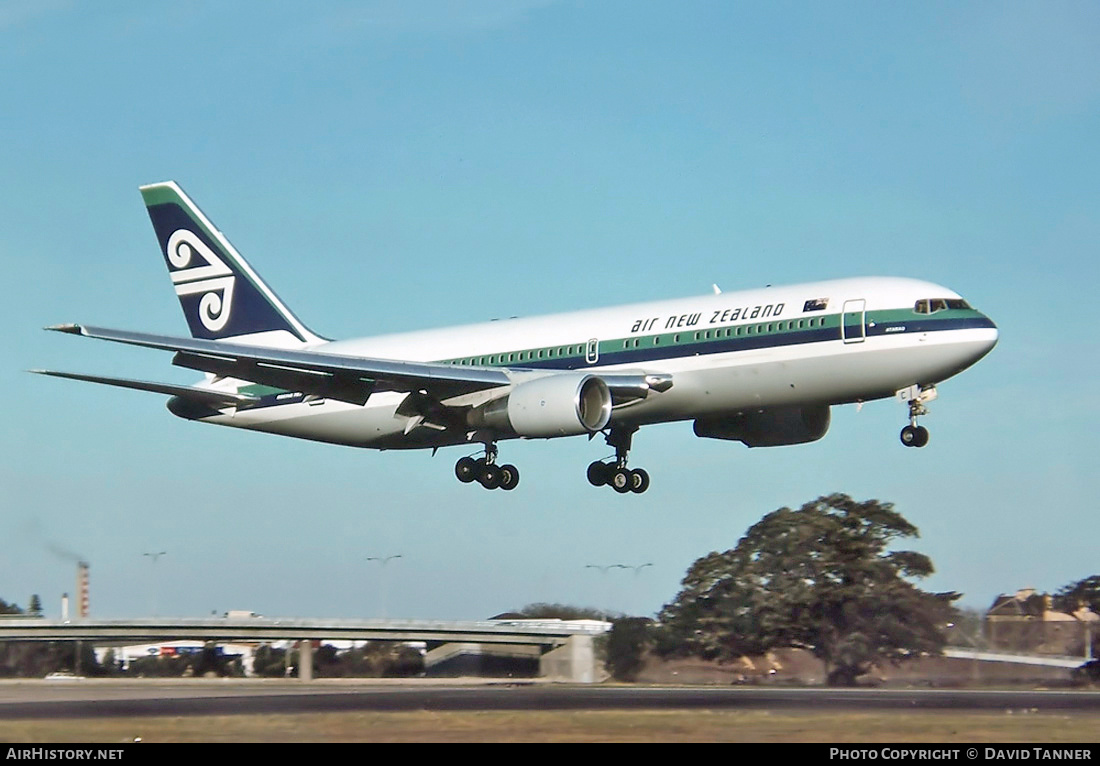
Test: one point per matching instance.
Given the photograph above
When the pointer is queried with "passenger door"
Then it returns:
(853, 322)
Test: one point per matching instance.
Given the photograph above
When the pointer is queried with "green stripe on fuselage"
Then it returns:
(574, 355)
(702, 334)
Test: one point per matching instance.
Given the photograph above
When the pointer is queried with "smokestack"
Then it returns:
(82, 589)
(64, 607)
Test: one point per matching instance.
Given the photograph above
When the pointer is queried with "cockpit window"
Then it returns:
(932, 305)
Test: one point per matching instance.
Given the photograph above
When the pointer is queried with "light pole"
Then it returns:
(604, 568)
(383, 560)
(153, 557)
(636, 567)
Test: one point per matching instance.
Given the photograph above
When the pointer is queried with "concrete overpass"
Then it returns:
(565, 648)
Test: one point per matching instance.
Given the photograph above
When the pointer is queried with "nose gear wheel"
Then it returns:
(914, 435)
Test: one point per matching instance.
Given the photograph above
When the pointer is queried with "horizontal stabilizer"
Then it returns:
(204, 395)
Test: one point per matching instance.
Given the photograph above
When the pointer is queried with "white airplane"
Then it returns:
(759, 366)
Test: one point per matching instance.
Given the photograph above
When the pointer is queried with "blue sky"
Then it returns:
(390, 166)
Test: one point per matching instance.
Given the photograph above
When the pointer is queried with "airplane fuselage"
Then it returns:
(825, 343)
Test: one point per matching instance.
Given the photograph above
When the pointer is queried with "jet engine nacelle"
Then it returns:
(768, 428)
(563, 404)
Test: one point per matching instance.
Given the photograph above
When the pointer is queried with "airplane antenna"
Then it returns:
(717, 289)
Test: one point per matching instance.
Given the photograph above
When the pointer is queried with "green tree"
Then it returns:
(553, 611)
(820, 578)
(1070, 598)
(626, 647)
(269, 661)
(35, 607)
(1084, 592)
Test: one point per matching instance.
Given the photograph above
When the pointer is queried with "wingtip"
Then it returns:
(71, 329)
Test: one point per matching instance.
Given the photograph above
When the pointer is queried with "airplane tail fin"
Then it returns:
(221, 296)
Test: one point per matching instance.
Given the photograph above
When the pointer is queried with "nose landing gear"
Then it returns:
(616, 475)
(914, 435)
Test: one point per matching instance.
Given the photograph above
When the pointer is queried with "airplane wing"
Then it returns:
(334, 376)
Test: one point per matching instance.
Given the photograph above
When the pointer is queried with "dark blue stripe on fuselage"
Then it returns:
(718, 346)
(735, 343)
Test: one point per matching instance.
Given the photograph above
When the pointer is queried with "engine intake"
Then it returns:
(563, 404)
(768, 428)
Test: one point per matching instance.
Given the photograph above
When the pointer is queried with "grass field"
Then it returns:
(582, 726)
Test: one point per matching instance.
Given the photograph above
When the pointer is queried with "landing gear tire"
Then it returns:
(621, 480)
(598, 473)
(485, 470)
(615, 474)
(914, 436)
(466, 469)
(639, 480)
(509, 477)
(491, 476)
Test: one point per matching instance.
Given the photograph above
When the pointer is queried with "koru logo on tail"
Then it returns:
(214, 279)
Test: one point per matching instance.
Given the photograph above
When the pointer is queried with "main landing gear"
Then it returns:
(616, 475)
(486, 471)
(916, 397)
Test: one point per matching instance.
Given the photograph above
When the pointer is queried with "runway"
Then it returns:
(90, 699)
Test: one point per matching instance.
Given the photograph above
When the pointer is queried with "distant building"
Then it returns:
(1027, 622)
(124, 655)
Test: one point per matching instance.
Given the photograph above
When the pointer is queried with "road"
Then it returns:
(84, 699)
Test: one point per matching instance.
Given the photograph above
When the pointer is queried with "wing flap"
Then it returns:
(345, 388)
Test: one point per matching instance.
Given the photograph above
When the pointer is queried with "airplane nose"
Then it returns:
(987, 339)
(994, 333)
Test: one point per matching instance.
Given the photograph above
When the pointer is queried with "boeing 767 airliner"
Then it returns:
(761, 367)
